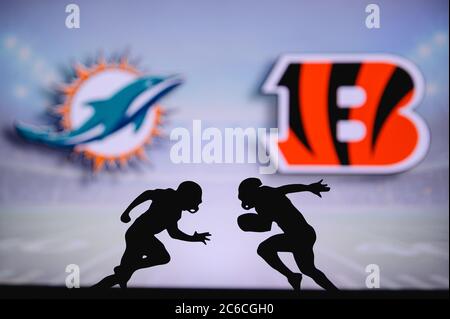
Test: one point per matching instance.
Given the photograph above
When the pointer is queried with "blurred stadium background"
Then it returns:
(53, 212)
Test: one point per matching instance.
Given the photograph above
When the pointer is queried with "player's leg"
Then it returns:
(141, 255)
(154, 254)
(121, 274)
(128, 264)
(304, 257)
(107, 282)
(269, 249)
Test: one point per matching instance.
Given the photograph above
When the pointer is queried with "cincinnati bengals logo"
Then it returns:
(347, 113)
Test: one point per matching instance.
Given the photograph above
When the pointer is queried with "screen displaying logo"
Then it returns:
(109, 113)
(347, 113)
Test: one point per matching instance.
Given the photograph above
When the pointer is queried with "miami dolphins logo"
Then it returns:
(109, 114)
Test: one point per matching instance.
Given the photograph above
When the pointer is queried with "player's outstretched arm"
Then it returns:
(315, 188)
(318, 187)
(145, 196)
(176, 233)
(293, 188)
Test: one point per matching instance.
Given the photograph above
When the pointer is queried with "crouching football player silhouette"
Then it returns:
(272, 205)
(143, 249)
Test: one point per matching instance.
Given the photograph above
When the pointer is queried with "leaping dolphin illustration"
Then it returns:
(109, 115)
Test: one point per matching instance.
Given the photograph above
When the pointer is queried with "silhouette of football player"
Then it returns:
(143, 249)
(272, 205)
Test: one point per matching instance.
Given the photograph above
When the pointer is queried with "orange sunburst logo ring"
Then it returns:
(70, 91)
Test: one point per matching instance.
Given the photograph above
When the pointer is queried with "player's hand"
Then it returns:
(318, 187)
(125, 218)
(202, 237)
